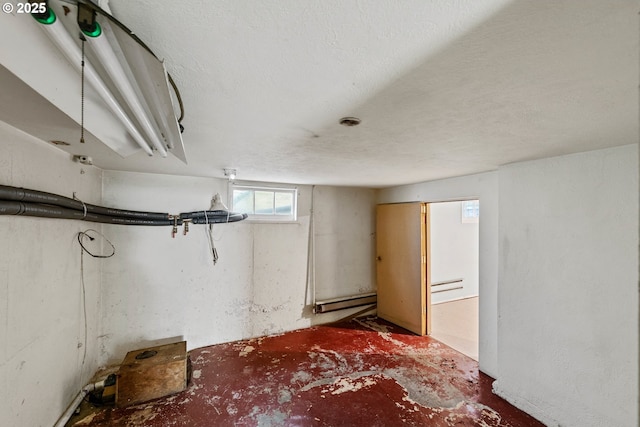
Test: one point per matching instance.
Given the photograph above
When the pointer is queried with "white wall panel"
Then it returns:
(568, 300)
(41, 314)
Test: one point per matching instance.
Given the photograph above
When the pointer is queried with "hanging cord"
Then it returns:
(216, 205)
(84, 305)
(209, 231)
(82, 96)
(81, 236)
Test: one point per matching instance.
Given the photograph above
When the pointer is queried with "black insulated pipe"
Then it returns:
(34, 196)
(204, 214)
(218, 217)
(45, 211)
(21, 201)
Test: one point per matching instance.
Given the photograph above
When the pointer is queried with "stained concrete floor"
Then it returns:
(362, 372)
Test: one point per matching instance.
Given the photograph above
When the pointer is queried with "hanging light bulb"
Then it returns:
(230, 173)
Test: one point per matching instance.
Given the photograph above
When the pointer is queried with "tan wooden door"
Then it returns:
(402, 249)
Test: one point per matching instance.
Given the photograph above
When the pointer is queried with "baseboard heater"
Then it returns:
(446, 282)
(345, 302)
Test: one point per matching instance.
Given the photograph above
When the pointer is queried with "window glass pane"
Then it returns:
(243, 201)
(264, 202)
(470, 211)
(284, 203)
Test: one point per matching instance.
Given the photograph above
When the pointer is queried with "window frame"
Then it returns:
(263, 186)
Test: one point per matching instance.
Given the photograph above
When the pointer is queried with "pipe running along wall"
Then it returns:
(22, 201)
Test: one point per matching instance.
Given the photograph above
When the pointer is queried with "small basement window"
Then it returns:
(265, 203)
(470, 211)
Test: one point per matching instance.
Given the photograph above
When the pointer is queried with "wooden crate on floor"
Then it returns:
(151, 373)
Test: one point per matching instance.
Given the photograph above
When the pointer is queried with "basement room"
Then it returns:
(319, 213)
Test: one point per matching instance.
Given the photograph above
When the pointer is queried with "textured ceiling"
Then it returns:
(443, 88)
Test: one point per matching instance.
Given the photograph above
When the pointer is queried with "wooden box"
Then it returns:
(150, 373)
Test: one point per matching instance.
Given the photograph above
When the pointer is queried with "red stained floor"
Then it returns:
(364, 372)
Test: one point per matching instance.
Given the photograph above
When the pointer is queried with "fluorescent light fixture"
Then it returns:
(130, 79)
(230, 173)
(59, 35)
(152, 79)
(109, 61)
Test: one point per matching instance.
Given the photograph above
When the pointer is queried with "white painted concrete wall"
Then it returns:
(155, 288)
(344, 241)
(454, 252)
(485, 188)
(568, 300)
(41, 321)
(159, 287)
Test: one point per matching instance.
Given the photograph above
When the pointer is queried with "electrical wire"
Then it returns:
(85, 233)
(178, 97)
(81, 236)
(84, 205)
(84, 306)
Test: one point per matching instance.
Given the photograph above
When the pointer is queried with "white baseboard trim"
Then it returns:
(454, 299)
